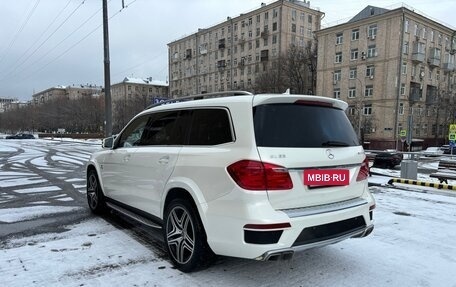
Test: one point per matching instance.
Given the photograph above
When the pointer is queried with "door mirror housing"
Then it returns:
(108, 142)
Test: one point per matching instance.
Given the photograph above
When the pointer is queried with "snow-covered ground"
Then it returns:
(413, 243)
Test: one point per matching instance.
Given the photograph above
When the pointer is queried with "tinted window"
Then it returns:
(210, 127)
(165, 128)
(132, 134)
(298, 125)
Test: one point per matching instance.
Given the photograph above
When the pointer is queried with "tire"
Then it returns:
(95, 197)
(185, 238)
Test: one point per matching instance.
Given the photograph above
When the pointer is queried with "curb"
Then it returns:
(422, 183)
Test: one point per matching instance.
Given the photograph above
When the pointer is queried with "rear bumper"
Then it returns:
(307, 228)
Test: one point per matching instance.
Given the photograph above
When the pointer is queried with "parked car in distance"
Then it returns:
(21, 136)
(433, 151)
(243, 175)
(387, 159)
(447, 150)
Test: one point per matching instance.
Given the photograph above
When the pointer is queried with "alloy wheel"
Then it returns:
(180, 235)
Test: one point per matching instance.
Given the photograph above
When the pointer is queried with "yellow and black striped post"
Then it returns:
(422, 183)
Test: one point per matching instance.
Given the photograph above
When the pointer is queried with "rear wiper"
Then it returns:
(334, 143)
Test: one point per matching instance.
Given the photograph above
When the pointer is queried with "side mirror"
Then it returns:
(108, 142)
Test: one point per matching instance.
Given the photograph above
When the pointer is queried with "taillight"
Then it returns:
(363, 171)
(256, 175)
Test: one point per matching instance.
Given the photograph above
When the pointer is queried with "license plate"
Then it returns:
(324, 177)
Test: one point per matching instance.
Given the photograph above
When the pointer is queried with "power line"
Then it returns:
(42, 34)
(77, 43)
(20, 30)
(58, 44)
(42, 43)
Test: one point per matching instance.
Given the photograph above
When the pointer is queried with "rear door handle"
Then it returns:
(127, 158)
(164, 160)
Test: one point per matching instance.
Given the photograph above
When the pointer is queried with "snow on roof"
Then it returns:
(147, 81)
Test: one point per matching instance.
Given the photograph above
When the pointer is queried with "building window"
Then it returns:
(401, 108)
(354, 54)
(274, 39)
(369, 91)
(404, 68)
(355, 34)
(371, 51)
(402, 89)
(266, 16)
(416, 30)
(275, 13)
(405, 48)
(431, 35)
(423, 33)
(351, 111)
(339, 38)
(309, 19)
(406, 26)
(309, 32)
(353, 73)
(293, 28)
(372, 31)
(337, 93)
(337, 76)
(351, 93)
(258, 18)
(274, 27)
(370, 71)
(338, 58)
(293, 15)
(367, 109)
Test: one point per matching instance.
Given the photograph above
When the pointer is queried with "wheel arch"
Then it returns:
(90, 167)
(179, 192)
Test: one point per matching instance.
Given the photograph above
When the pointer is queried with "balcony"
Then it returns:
(418, 57)
(448, 67)
(434, 62)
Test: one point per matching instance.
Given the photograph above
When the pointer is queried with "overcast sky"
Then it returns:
(45, 43)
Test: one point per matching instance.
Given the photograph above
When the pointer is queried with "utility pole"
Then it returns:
(107, 73)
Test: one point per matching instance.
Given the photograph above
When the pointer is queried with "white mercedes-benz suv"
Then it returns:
(243, 175)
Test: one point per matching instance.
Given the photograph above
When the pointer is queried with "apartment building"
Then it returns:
(5, 102)
(396, 69)
(70, 92)
(132, 95)
(232, 54)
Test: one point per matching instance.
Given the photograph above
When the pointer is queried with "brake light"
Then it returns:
(256, 175)
(313, 103)
(363, 171)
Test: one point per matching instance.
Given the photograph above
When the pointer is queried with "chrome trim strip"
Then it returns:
(133, 216)
(325, 167)
(325, 208)
(288, 252)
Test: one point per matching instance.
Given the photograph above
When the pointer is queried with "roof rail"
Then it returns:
(200, 97)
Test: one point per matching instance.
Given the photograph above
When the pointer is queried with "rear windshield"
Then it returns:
(298, 125)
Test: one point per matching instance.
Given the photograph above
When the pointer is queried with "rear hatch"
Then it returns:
(308, 135)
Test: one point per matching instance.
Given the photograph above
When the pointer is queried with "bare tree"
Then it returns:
(294, 70)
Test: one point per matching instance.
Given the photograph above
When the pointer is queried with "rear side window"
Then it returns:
(210, 127)
(302, 126)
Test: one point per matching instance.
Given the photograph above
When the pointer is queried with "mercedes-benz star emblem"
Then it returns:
(329, 154)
